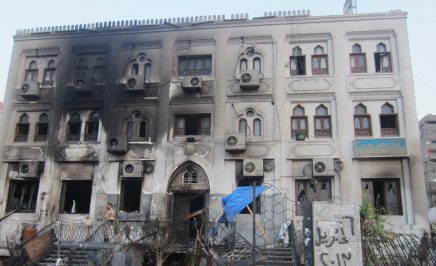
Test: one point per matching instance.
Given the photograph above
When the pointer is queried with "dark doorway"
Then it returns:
(189, 211)
(76, 196)
(131, 194)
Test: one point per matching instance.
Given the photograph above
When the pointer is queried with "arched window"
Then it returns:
(357, 59)
(99, 72)
(243, 126)
(41, 130)
(250, 123)
(31, 72)
(298, 62)
(362, 122)
(257, 64)
(382, 59)
(243, 64)
(81, 70)
(135, 69)
(143, 129)
(388, 121)
(74, 127)
(319, 61)
(298, 123)
(49, 73)
(92, 127)
(257, 125)
(147, 71)
(22, 129)
(322, 122)
(137, 127)
(129, 129)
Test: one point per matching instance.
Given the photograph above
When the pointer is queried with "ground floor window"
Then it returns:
(130, 198)
(384, 195)
(76, 196)
(23, 195)
(309, 190)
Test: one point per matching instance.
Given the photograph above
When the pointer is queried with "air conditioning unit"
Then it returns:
(132, 169)
(235, 141)
(249, 80)
(135, 83)
(117, 144)
(29, 169)
(323, 167)
(192, 84)
(253, 167)
(29, 89)
(82, 85)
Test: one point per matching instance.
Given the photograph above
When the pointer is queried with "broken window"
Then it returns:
(357, 59)
(130, 197)
(362, 122)
(194, 65)
(309, 190)
(194, 124)
(92, 126)
(319, 62)
(49, 73)
(382, 59)
(31, 72)
(137, 127)
(99, 72)
(23, 195)
(41, 129)
(74, 127)
(22, 129)
(298, 123)
(248, 182)
(298, 62)
(388, 121)
(383, 194)
(322, 122)
(76, 196)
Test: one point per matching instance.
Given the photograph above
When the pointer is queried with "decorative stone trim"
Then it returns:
(369, 35)
(135, 102)
(311, 37)
(267, 39)
(375, 94)
(91, 49)
(310, 97)
(27, 107)
(191, 43)
(192, 100)
(41, 52)
(250, 98)
(141, 45)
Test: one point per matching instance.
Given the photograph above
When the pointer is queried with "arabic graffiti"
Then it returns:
(327, 260)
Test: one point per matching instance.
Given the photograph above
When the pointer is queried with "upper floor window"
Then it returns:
(298, 62)
(74, 127)
(388, 121)
(81, 70)
(322, 122)
(243, 64)
(147, 71)
(194, 65)
(31, 72)
(357, 60)
(41, 129)
(134, 69)
(190, 177)
(92, 126)
(192, 124)
(99, 71)
(362, 121)
(257, 64)
(22, 129)
(250, 60)
(298, 123)
(49, 73)
(250, 123)
(319, 61)
(382, 59)
(137, 127)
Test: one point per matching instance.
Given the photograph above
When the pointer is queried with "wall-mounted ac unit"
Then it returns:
(192, 84)
(135, 83)
(29, 89)
(132, 169)
(117, 144)
(323, 167)
(235, 141)
(249, 80)
(29, 169)
(253, 167)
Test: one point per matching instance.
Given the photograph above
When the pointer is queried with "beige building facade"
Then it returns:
(164, 117)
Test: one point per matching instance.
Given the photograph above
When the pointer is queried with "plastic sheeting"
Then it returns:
(238, 200)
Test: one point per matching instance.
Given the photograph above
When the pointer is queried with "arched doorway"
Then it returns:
(190, 188)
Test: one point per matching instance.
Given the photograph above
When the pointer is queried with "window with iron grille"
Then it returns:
(195, 65)
(99, 70)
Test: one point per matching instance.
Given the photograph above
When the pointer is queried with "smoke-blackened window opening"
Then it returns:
(92, 127)
(297, 62)
(22, 128)
(310, 190)
(195, 65)
(190, 177)
(99, 72)
(22, 196)
(49, 73)
(137, 128)
(81, 70)
(383, 194)
(382, 59)
(31, 72)
(192, 124)
(130, 197)
(76, 196)
(41, 130)
(74, 127)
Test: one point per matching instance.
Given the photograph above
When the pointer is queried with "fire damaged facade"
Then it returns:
(162, 118)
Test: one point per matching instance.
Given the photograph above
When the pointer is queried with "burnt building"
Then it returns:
(164, 117)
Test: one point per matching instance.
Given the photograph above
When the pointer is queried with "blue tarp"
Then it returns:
(238, 200)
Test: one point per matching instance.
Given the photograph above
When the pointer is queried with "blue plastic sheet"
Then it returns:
(238, 200)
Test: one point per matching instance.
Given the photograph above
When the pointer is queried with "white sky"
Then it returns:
(20, 14)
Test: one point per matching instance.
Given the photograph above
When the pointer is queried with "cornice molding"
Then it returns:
(195, 42)
(123, 102)
(369, 35)
(310, 37)
(141, 46)
(192, 100)
(375, 94)
(265, 39)
(310, 97)
(90, 49)
(250, 98)
(40, 106)
(42, 52)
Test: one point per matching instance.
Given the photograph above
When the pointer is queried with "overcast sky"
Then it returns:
(21, 14)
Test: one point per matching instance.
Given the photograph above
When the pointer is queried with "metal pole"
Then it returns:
(254, 223)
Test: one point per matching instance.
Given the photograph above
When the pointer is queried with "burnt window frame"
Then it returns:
(381, 208)
(188, 71)
(99, 72)
(202, 130)
(41, 127)
(31, 73)
(16, 186)
(22, 128)
(317, 59)
(355, 59)
(298, 60)
(92, 127)
(49, 72)
(74, 123)
(127, 196)
(299, 198)
(81, 69)
(299, 119)
(323, 118)
(389, 131)
(362, 117)
(84, 186)
(134, 127)
(378, 59)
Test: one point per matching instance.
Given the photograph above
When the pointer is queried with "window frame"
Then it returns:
(38, 128)
(383, 210)
(92, 127)
(299, 119)
(389, 131)
(354, 60)
(187, 71)
(74, 124)
(22, 128)
(200, 125)
(362, 132)
(307, 183)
